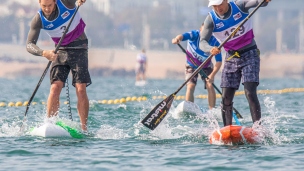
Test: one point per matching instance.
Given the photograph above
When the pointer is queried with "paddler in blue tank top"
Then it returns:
(243, 57)
(195, 57)
(53, 17)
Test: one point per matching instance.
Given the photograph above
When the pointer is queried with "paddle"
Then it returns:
(158, 113)
(48, 65)
(238, 115)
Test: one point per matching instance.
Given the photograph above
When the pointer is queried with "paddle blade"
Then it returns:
(153, 119)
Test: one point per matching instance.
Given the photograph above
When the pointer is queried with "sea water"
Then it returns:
(118, 141)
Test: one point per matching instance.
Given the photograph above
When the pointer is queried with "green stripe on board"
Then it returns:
(72, 131)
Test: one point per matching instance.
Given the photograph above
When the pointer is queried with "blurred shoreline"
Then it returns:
(15, 61)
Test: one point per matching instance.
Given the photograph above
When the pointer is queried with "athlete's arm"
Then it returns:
(245, 5)
(218, 64)
(177, 39)
(205, 35)
(33, 36)
(80, 2)
(32, 39)
(69, 2)
(191, 35)
(216, 68)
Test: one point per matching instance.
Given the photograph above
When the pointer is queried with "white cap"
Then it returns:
(215, 2)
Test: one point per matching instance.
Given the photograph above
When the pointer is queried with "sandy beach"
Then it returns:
(16, 61)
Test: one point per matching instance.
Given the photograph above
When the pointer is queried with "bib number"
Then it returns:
(237, 34)
(63, 28)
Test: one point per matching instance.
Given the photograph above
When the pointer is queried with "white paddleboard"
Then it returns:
(140, 83)
(50, 130)
(187, 108)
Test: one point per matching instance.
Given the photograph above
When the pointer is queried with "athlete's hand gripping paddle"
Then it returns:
(158, 113)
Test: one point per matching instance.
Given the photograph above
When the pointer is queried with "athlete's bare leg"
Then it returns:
(190, 92)
(211, 95)
(53, 99)
(82, 104)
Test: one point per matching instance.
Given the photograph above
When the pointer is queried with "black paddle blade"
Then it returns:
(153, 119)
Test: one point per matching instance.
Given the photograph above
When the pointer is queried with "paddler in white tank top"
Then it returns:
(54, 17)
(243, 57)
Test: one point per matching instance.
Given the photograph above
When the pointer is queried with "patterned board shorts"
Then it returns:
(75, 61)
(189, 70)
(245, 68)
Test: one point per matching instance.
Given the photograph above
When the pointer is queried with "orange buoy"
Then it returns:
(234, 134)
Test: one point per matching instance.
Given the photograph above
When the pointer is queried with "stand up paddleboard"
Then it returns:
(234, 134)
(140, 83)
(188, 108)
(59, 129)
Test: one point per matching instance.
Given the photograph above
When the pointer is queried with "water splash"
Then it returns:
(267, 127)
(110, 132)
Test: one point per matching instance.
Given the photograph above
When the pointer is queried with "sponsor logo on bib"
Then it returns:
(49, 26)
(65, 14)
(219, 25)
(237, 16)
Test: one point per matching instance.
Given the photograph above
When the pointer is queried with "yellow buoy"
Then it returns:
(218, 96)
(122, 100)
(2, 104)
(25, 103)
(104, 101)
(110, 102)
(18, 104)
(10, 104)
(128, 99)
(133, 98)
(116, 101)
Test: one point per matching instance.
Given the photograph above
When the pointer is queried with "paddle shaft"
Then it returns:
(49, 63)
(205, 75)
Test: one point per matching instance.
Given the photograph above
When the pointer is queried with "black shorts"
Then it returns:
(189, 70)
(75, 60)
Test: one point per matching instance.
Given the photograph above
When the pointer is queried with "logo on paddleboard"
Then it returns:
(155, 114)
